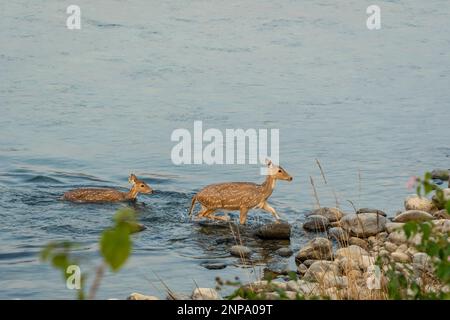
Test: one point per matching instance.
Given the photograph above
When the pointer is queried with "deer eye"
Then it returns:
(142, 186)
(279, 170)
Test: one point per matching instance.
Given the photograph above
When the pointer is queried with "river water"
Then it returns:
(87, 107)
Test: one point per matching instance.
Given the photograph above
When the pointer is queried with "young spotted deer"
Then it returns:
(108, 195)
(241, 196)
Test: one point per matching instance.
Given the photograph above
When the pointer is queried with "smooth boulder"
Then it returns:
(205, 294)
(364, 224)
(441, 174)
(316, 249)
(274, 231)
(369, 210)
(332, 214)
(240, 251)
(415, 202)
(413, 215)
(316, 223)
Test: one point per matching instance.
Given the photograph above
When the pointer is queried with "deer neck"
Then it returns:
(132, 194)
(268, 186)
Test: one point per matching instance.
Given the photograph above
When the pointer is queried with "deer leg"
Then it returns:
(205, 212)
(268, 208)
(243, 215)
(210, 215)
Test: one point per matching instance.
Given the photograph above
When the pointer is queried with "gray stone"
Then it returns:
(240, 251)
(301, 269)
(270, 231)
(316, 223)
(359, 242)
(369, 210)
(214, 266)
(316, 249)
(400, 257)
(414, 202)
(413, 215)
(139, 296)
(441, 174)
(338, 234)
(319, 268)
(284, 252)
(421, 258)
(364, 224)
(205, 294)
(390, 246)
(392, 226)
(332, 214)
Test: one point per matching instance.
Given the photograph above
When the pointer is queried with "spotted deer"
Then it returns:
(108, 195)
(241, 196)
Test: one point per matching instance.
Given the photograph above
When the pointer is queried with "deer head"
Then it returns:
(277, 172)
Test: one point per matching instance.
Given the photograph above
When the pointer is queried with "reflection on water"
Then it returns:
(86, 108)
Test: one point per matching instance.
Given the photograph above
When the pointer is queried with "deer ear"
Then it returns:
(132, 179)
(269, 163)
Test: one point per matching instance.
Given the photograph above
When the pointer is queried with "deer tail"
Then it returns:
(194, 199)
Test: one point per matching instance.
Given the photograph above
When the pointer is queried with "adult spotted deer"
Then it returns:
(108, 195)
(241, 196)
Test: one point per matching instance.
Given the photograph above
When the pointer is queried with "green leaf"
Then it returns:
(447, 206)
(293, 275)
(115, 246)
(428, 176)
(410, 229)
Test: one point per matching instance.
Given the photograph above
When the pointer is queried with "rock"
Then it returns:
(279, 285)
(382, 236)
(441, 174)
(400, 257)
(421, 258)
(292, 285)
(284, 252)
(392, 226)
(271, 295)
(138, 296)
(369, 210)
(316, 223)
(346, 265)
(309, 262)
(274, 231)
(214, 266)
(441, 214)
(338, 234)
(442, 225)
(301, 269)
(332, 280)
(364, 224)
(205, 294)
(332, 214)
(366, 262)
(291, 295)
(390, 246)
(359, 242)
(178, 296)
(415, 202)
(354, 274)
(335, 224)
(319, 268)
(308, 288)
(402, 248)
(413, 215)
(316, 249)
(240, 251)
(353, 253)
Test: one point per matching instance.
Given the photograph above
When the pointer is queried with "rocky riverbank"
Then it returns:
(357, 255)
